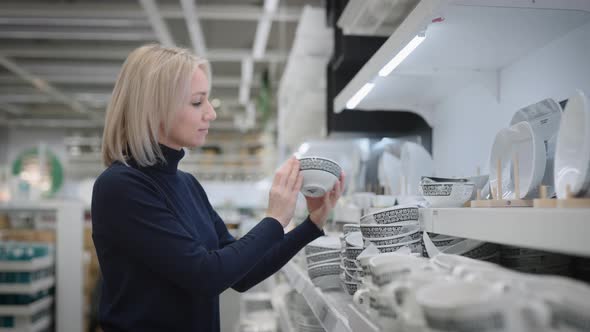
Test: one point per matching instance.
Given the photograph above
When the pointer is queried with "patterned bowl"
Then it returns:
(447, 194)
(319, 175)
(392, 215)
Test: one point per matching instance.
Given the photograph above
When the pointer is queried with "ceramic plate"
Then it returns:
(572, 156)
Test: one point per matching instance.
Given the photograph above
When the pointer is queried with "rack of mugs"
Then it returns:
(334, 310)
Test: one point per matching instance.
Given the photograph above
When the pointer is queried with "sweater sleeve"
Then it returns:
(276, 257)
(132, 215)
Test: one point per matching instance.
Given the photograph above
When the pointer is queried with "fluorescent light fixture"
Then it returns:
(362, 93)
(261, 37)
(402, 55)
(270, 6)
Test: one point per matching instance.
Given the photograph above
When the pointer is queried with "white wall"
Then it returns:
(467, 122)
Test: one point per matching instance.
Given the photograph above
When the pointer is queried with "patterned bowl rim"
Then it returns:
(401, 244)
(315, 266)
(395, 224)
(317, 157)
(391, 208)
(401, 236)
(335, 251)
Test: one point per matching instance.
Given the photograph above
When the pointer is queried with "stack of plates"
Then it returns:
(323, 262)
(534, 261)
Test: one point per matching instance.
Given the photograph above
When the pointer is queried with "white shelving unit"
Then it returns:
(32, 265)
(26, 310)
(68, 279)
(28, 288)
(334, 309)
(559, 230)
(475, 40)
(40, 325)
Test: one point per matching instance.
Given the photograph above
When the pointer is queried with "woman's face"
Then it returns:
(190, 124)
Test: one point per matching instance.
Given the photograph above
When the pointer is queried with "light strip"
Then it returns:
(401, 56)
(362, 93)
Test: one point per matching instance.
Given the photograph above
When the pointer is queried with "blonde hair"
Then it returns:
(152, 86)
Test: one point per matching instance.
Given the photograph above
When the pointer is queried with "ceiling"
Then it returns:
(59, 58)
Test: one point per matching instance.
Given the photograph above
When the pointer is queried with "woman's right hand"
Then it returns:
(283, 193)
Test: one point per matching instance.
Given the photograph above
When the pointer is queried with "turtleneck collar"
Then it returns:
(172, 157)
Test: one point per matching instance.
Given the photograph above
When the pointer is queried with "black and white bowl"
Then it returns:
(319, 175)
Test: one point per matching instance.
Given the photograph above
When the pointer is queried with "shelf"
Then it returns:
(278, 303)
(26, 310)
(469, 40)
(29, 288)
(39, 325)
(560, 230)
(35, 264)
(334, 309)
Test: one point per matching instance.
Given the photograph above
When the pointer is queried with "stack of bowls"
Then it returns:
(534, 261)
(392, 228)
(351, 274)
(323, 262)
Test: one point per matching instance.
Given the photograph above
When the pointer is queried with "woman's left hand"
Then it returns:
(320, 207)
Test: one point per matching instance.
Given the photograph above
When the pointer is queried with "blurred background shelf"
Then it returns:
(28, 288)
(26, 310)
(40, 325)
(543, 229)
(32, 265)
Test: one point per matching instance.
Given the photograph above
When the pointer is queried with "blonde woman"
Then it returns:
(164, 253)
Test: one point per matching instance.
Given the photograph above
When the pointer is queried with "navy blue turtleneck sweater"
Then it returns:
(166, 255)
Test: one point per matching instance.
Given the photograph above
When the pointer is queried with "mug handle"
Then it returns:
(361, 298)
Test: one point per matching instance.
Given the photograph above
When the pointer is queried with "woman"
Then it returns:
(165, 254)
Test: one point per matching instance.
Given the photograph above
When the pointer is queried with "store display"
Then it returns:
(517, 143)
(572, 156)
(319, 175)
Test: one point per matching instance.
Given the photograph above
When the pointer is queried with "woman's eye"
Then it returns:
(197, 104)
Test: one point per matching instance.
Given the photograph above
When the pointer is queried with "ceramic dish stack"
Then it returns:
(351, 274)
(479, 250)
(393, 228)
(301, 315)
(441, 242)
(323, 261)
(534, 261)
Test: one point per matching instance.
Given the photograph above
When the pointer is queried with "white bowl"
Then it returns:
(447, 194)
(572, 155)
(319, 175)
(518, 139)
(354, 239)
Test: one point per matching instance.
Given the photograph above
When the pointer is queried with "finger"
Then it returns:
(299, 182)
(293, 174)
(283, 172)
